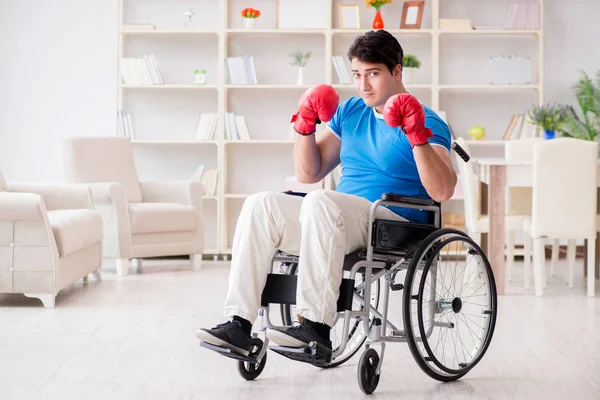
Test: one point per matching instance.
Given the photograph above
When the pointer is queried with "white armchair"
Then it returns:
(141, 219)
(50, 237)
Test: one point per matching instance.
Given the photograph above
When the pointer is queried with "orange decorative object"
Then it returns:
(378, 21)
(376, 3)
(250, 13)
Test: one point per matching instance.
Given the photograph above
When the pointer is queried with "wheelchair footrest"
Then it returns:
(314, 354)
(228, 353)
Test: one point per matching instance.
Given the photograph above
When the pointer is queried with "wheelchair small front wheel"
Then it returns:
(450, 305)
(368, 379)
(250, 371)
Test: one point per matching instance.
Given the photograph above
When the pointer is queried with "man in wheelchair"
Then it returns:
(386, 141)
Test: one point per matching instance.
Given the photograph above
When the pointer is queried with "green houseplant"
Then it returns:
(586, 125)
(300, 59)
(410, 63)
(550, 117)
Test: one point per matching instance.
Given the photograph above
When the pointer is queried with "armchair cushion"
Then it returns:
(161, 217)
(102, 159)
(75, 229)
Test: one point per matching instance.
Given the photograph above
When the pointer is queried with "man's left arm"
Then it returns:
(431, 145)
(436, 171)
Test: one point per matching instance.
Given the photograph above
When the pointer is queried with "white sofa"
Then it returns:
(50, 237)
(141, 219)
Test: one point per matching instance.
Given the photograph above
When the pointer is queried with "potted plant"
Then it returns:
(299, 59)
(587, 92)
(376, 4)
(410, 63)
(249, 17)
(550, 117)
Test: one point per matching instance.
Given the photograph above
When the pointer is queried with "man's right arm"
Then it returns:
(315, 157)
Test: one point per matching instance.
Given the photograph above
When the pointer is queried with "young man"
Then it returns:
(386, 141)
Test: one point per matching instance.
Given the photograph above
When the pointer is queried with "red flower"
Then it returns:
(250, 13)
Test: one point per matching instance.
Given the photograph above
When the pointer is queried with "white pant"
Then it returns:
(320, 228)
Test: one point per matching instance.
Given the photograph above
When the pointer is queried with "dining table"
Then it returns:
(495, 175)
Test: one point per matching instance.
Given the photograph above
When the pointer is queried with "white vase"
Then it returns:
(249, 23)
(300, 80)
(408, 76)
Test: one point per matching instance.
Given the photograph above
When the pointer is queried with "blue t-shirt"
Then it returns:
(377, 158)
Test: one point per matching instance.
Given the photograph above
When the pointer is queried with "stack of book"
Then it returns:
(140, 71)
(241, 71)
(521, 127)
(208, 178)
(523, 15)
(235, 127)
(125, 125)
(340, 70)
(207, 126)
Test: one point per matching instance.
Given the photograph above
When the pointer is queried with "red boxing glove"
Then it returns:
(404, 110)
(318, 103)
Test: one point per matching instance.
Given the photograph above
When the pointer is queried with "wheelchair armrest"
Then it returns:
(398, 198)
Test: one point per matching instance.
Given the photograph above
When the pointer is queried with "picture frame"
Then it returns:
(349, 16)
(412, 14)
(305, 14)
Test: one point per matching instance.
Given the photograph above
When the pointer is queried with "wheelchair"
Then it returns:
(449, 302)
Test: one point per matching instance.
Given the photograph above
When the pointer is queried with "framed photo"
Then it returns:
(305, 14)
(349, 16)
(412, 13)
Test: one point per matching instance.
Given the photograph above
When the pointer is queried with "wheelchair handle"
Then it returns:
(460, 151)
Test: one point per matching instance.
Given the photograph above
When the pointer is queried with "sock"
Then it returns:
(322, 329)
(246, 325)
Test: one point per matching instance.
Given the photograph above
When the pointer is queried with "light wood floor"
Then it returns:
(133, 338)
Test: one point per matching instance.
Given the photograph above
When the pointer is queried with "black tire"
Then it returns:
(367, 367)
(286, 317)
(250, 371)
(425, 257)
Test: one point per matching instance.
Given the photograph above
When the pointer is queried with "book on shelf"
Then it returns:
(197, 175)
(521, 127)
(207, 126)
(235, 127)
(209, 181)
(241, 71)
(340, 70)
(523, 15)
(242, 128)
(140, 71)
(208, 178)
(125, 125)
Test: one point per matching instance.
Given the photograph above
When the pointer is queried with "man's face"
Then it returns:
(374, 82)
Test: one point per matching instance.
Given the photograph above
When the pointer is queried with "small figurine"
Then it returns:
(189, 22)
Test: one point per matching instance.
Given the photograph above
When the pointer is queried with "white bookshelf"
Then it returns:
(165, 116)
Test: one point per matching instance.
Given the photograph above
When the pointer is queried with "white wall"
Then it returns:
(58, 72)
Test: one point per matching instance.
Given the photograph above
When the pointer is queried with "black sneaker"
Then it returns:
(229, 335)
(299, 335)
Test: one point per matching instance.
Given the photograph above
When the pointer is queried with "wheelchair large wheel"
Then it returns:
(450, 305)
(356, 334)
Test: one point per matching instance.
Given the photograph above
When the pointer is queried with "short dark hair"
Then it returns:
(377, 47)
